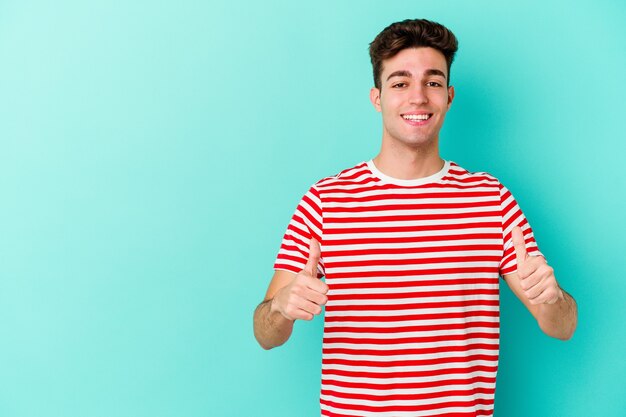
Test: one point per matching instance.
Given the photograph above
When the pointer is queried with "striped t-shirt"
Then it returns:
(411, 325)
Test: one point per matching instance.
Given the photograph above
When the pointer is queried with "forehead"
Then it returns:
(415, 60)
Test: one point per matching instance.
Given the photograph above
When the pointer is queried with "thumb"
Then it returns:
(314, 258)
(519, 244)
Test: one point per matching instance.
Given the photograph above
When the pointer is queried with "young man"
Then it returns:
(412, 248)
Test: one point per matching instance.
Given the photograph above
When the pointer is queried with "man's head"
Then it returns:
(411, 71)
(411, 33)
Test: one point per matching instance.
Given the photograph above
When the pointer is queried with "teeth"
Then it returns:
(416, 116)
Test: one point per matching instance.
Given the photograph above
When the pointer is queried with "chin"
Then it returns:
(419, 142)
(411, 139)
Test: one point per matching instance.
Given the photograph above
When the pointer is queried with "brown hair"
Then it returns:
(411, 33)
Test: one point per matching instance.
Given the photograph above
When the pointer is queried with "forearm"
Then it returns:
(271, 328)
(559, 320)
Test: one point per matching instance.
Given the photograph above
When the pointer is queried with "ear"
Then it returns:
(375, 98)
(450, 96)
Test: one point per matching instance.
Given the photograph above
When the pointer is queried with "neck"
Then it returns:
(408, 164)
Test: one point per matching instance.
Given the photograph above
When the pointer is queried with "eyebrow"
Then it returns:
(405, 73)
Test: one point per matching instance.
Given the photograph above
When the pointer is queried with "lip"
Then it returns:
(417, 122)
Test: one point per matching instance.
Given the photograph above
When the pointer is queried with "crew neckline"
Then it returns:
(409, 183)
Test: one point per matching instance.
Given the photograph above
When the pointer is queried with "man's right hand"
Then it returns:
(303, 297)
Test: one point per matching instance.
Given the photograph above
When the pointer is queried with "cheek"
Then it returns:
(390, 104)
(445, 101)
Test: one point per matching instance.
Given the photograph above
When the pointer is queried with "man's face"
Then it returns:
(413, 97)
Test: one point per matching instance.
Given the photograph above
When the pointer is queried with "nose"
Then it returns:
(417, 95)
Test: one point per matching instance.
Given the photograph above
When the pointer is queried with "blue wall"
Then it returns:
(151, 154)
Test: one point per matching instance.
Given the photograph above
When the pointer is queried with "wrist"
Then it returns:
(273, 306)
(276, 312)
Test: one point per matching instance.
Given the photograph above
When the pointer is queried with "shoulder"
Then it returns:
(459, 175)
(356, 175)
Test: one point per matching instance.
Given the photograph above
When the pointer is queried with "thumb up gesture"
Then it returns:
(305, 295)
(536, 276)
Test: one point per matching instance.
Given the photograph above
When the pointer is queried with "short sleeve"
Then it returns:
(513, 216)
(306, 222)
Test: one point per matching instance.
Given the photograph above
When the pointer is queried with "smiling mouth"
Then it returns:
(417, 117)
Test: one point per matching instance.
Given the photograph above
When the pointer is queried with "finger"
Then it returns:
(299, 314)
(532, 272)
(315, 296)
(520, 245)
(316, 285)
(535, 290)
(314, 258)
(303, 315)
(559, 296)
(528, 280)
(309, 307)
(548, 296)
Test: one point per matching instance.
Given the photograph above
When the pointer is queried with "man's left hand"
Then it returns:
(536, 276)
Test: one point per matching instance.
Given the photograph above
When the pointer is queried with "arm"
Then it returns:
(558, 319)
(289, 297)
(535, 285)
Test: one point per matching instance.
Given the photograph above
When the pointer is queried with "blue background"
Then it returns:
(151, 154)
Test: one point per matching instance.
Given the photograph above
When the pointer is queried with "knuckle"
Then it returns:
(292, 302)
(296, 290)
(523, 272)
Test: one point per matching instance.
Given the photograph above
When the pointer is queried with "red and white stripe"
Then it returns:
(412, 320)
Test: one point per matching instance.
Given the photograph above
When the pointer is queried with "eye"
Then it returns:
(398, 85)
(433, 84)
